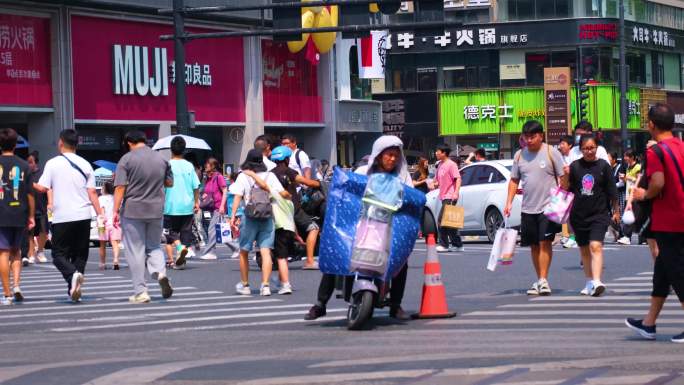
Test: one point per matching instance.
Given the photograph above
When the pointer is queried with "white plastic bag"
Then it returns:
(503, 248)
(223, 232)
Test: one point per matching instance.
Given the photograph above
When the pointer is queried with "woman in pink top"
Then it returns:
(449, 183)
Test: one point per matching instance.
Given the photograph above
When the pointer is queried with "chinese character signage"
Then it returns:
(25, 78)
(393, 117)
(653, 36)
(557, 103)
(594, 32)
(463, 38)
(290, 84)
(122, 71)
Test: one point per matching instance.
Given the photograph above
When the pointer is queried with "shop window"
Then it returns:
(404, 79)
(657, 70)
(484, 77)
(539, 9)
(535, 64)
(471, 77)
(427, 79)
(454, 77)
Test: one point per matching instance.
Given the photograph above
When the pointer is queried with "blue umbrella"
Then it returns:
(22, 142)
(111, 166)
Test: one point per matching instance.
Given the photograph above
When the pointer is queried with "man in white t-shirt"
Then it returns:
(72, 182)
(264, 143)
(584, 128)
(299, 161)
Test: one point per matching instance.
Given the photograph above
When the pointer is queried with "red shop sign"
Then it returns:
(290, 86)
(122, 71)
(25, 61)
(598, 31)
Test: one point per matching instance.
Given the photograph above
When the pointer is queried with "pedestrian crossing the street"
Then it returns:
(104, 306)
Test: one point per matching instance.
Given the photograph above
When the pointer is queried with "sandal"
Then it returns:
(115, 266)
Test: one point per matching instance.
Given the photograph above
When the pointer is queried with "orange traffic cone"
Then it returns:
(433, 304)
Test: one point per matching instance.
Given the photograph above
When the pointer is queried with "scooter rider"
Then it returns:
(387, 156)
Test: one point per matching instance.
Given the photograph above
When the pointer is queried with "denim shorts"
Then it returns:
(254, 230)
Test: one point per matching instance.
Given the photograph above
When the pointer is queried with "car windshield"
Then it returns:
(509, 167)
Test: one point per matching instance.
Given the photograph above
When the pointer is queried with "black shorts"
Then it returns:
(178, 228)
(535, 228)
(669, 265)
(284, 243)
(595, 232)
(304, 223)
(42, 225)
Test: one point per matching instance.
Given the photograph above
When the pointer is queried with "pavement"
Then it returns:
(205, 334)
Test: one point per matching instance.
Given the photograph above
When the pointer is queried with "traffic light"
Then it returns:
(429, 11)
(286, 18)
(583, 99)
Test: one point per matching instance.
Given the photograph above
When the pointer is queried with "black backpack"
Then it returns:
(259, 205)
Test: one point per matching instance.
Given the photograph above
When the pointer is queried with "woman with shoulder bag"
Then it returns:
(213, 200)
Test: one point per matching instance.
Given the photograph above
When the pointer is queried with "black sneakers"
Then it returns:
(678, 339)
(647, 332)
(315, 312)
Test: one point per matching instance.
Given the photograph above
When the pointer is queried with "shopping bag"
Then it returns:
(558, 209)
(452, 217)
(503, 248)
(223, 232)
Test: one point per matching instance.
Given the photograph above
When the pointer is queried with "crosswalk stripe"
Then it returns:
(131, 308)
(557, 312)
(584, 298)
(87, 304)
(640, 278)
(634, 290)
(61, 280)
(176, 320)
(102, 293)
(541, 322)
(646, 273)
(630, 284)
(261, 323)
(89, 283)
(582, 305)
(86, 286)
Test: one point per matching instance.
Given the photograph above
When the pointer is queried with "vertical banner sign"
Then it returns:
(557, 103)
(25, 78)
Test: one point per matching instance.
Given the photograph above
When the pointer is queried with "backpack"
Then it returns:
(259, 205)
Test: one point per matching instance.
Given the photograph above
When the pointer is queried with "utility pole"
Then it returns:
(182, 114)
(623, 81)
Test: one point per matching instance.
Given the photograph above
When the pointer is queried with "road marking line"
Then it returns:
(403, 359)
(88, 294)
(630, 284)
(547, 305)
(261, 323)
(634, 291)
(341, 377)
(498, 378)
(9, 373)
(56, 280)
(121, 301)
(618, 322)
(557, 312)
(588, 299)
(59, 288)
(640, 278)
(646, 273)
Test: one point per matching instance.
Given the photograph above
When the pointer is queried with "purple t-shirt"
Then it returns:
(214, 186)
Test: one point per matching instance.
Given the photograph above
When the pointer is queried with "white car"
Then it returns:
(483, 194)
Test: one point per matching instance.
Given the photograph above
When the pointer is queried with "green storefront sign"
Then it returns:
(506, 110)
(488, 146)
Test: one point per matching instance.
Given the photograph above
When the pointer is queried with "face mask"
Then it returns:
(578, 138)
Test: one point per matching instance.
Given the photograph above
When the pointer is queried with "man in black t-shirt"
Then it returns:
(16, 213)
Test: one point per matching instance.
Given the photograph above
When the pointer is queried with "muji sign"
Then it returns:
(122, 71)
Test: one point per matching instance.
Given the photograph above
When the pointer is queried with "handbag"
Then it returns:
(503, 248)
(453, 216)
(223, 232)
(560, 203)
(207, 200)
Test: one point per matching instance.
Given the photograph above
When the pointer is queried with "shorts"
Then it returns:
(179, 228)
(112, 234)
(11, 238)
(595, 232)
(42, 226)
(304, 222)
(284, 242)
(535, 228)
(669, 265)
(255, 230)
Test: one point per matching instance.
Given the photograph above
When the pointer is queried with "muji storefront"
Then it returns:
(124, 78)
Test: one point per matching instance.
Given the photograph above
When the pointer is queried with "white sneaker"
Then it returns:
(544, 288)
(570, 244)
(191, 253)
(18, 296)
(459, 249)
(209, 257)
(587, 288)
(265, 290)
(243, 289)
(235, 255)
(31, 260)
(41, 257)
(25, 262)
(140, 298)
(624, 241)
(597, 289)
(285, 289)
(442, 249)
(76, 282)
(5, 301)
(534, 290)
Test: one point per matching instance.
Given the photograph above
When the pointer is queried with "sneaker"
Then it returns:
(544, 288)
(209, 257)
(166, 289)
(442, 249)
(265, 290)
(563, 240)
(178, 267)
(459, 249)
(18, 297)
(587, 288)
(25, 262)
(76, 283)
(285, 289)
(191, 254)
(598, 288)
(678, 339)
(534, 290)
(315, 312)
(235, 255)
(140, 298)
(570, 244)
(624, 241)
(5, 301)
(243, 289)
(41, 257)
(648, 332)
(31, 260)
(180, 261)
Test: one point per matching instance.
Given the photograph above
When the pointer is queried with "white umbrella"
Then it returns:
(190, 143)
(102, 173)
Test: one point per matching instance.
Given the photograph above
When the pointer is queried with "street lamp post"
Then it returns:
(182, 114)
(623, 80)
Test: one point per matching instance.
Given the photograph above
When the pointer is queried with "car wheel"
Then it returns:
(493, 221)
(429, 224)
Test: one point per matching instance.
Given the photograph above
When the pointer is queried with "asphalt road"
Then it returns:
(205, 334)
